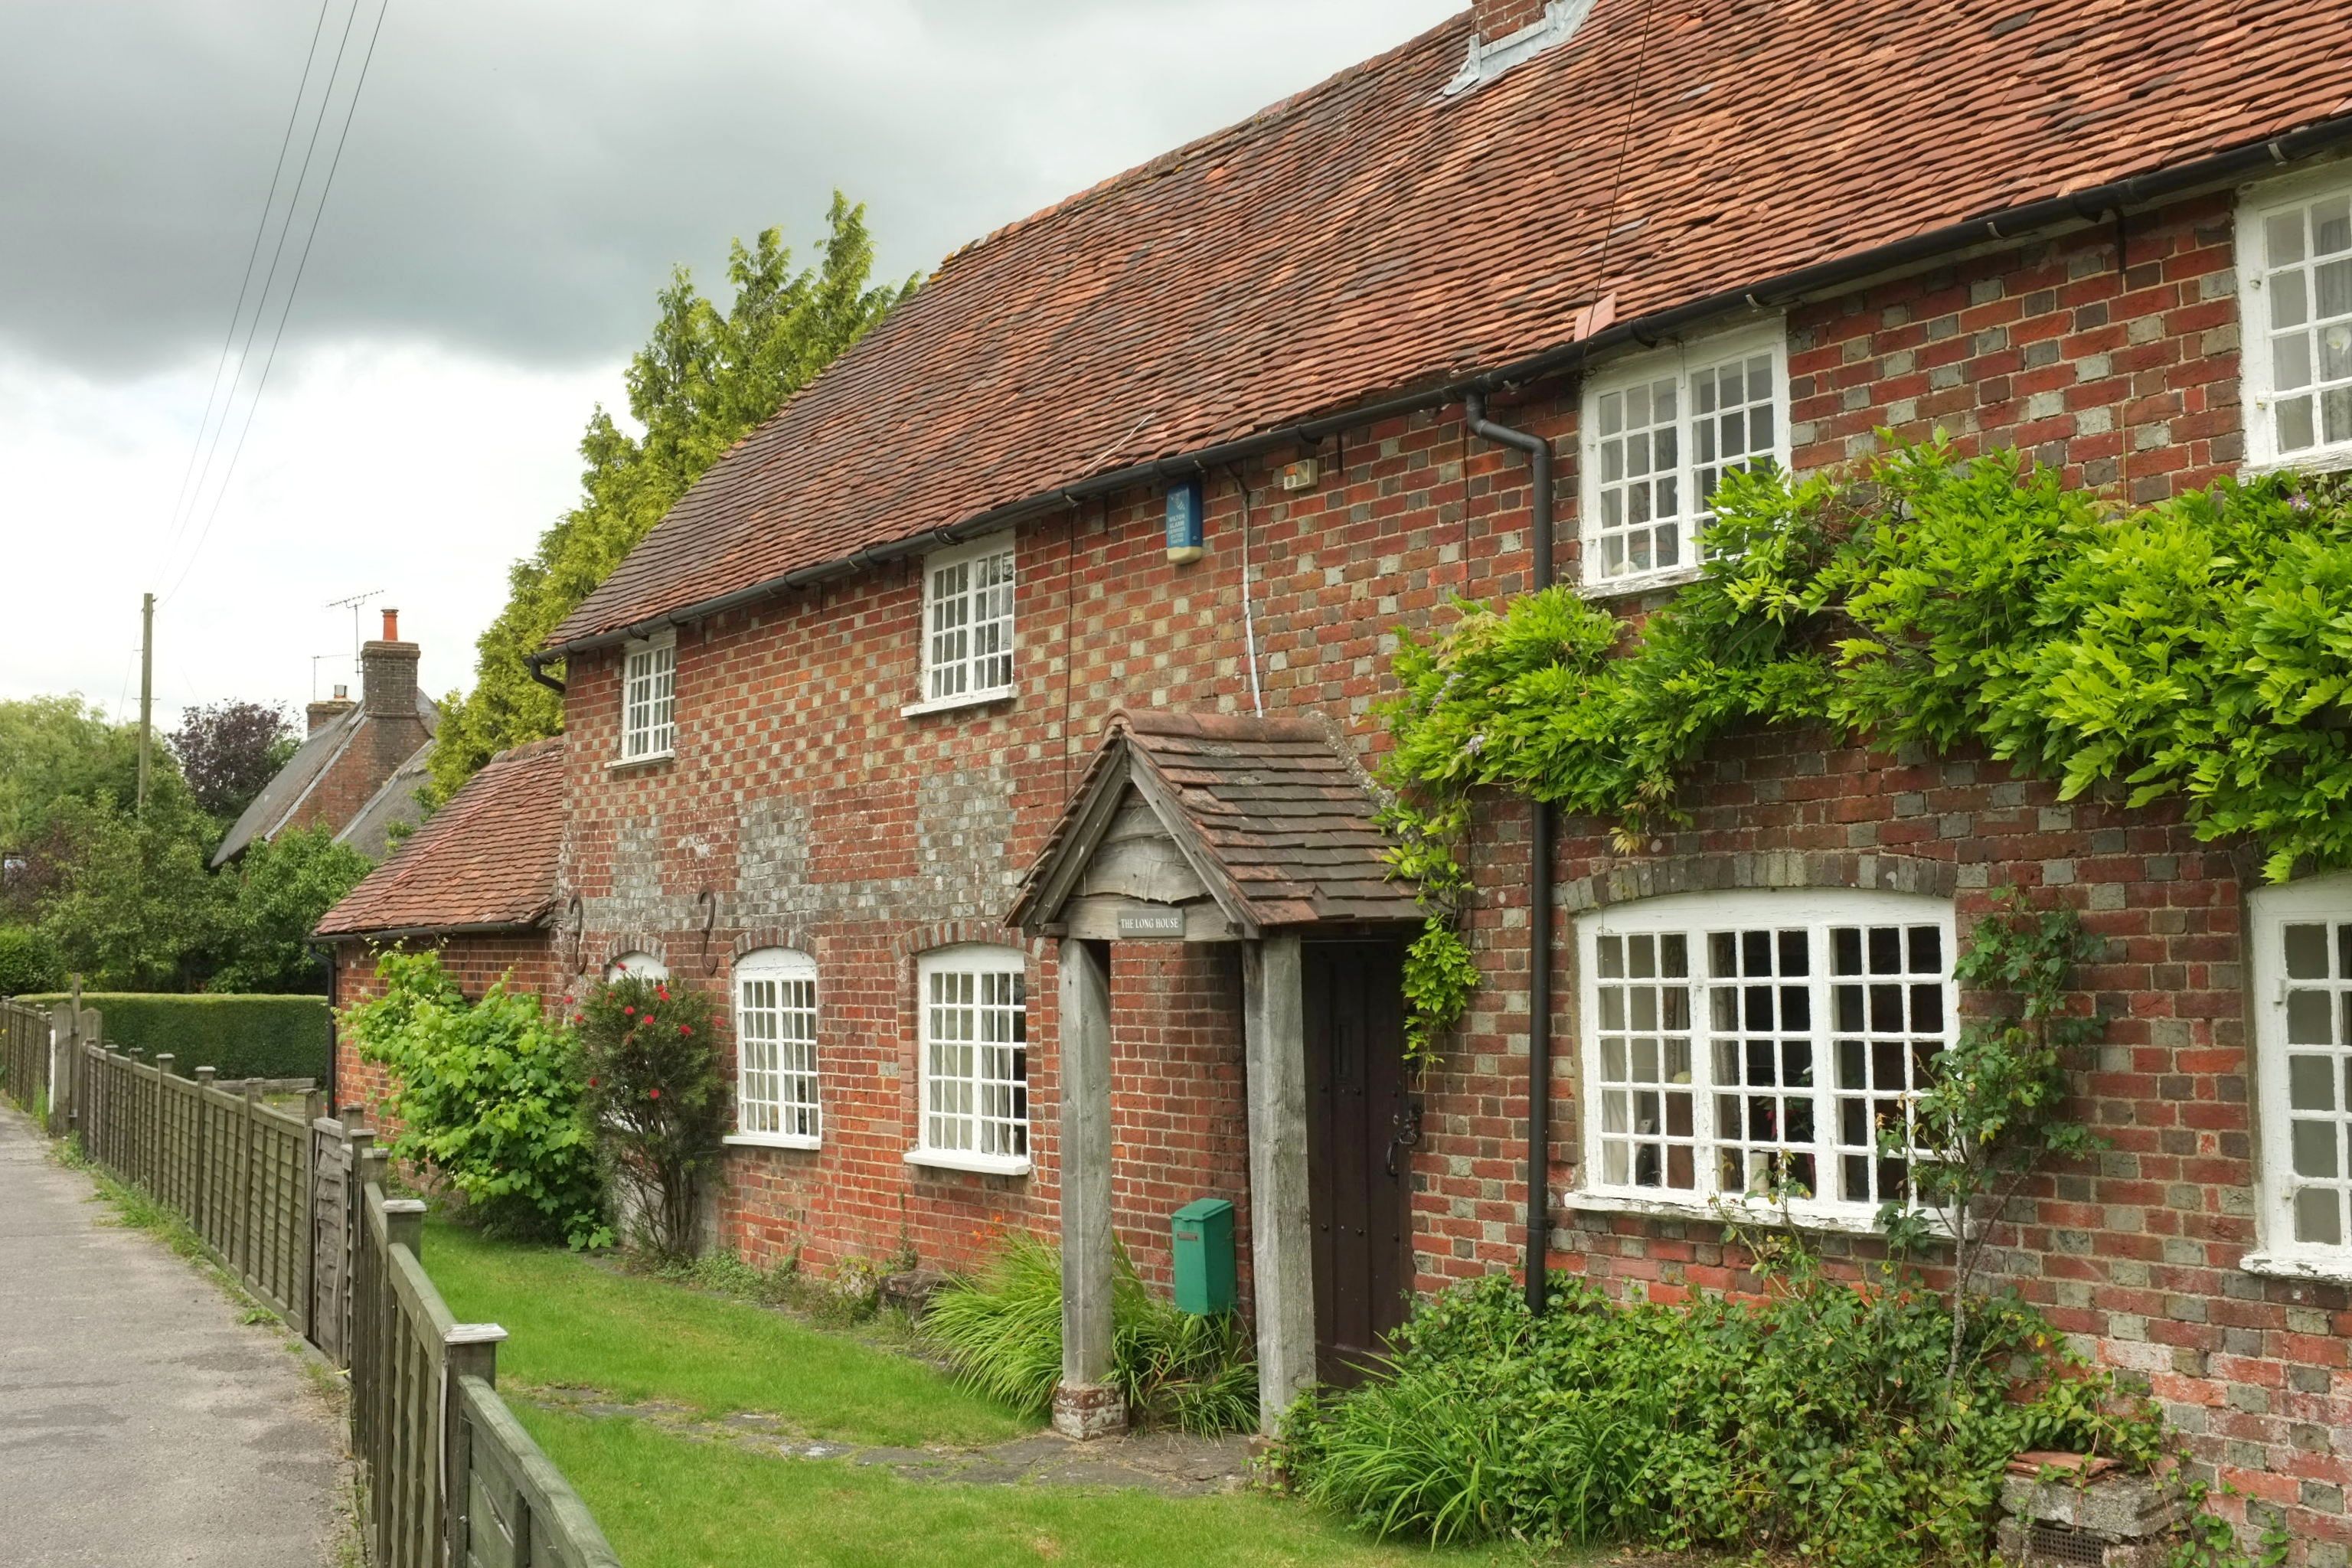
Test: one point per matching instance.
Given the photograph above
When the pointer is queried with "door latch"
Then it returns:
(1407, 1123)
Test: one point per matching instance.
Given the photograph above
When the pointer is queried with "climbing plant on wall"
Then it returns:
(2199, 649)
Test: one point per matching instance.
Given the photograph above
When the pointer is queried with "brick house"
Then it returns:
(360, 766)
(911, 731)
(476, 884)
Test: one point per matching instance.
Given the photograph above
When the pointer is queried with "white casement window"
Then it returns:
(2294, 266)
(2302, 978)
(966, 624)
(636, 966)
(650, 698)
(775, 1049)
(1658, 433)
(1743, 1048)
(974, 1024)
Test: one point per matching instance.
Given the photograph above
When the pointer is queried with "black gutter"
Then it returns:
(1540, 823)
(2083, 207)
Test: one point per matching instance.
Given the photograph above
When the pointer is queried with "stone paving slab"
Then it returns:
(141, 1423)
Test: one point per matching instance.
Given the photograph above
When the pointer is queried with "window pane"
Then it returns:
(2297, 427)
(2282, 238)
(2319, 1217)
(2306, 952)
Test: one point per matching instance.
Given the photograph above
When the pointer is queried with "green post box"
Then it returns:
(1205, 1257)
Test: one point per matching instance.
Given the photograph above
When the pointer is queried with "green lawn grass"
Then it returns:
(667, 1501)
(570, 1320)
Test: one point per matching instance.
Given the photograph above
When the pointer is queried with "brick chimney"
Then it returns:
(388, 673)
(1498, 19)
(325, 713)
(1509, 31)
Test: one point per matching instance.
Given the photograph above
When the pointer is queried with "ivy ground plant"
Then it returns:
(2199, 651)
(488, 1098)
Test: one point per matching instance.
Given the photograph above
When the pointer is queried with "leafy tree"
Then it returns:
(279, 890)
(700, 383)
(134, 908)
(54, 750)
(227, 751)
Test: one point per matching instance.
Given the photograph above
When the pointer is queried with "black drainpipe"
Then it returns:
(1540, 856)
(327, 951)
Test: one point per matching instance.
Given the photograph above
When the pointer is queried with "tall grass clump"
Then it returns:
(1001, 1329)
(1817, 1420)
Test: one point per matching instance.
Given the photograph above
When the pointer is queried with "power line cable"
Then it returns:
(301, 265)
(177, 524)
(276, 256)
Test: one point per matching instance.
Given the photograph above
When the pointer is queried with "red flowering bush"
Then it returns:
(657, 1098)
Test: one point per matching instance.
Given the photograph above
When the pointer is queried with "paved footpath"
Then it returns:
(142, 1424)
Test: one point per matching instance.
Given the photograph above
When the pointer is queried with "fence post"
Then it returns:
(62, 1040)
(203, 1189)
(467, 1350)
(163, 1172)
(248, 1139)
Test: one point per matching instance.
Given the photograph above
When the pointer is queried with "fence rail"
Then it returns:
(295, 1208)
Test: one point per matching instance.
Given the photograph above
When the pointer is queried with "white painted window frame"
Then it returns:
(961, 674)
(2326, 901)
(777, 1052)
(1813, 911)
(1679, 363)
(635, 965)
(653, 663)
(984, 1133)
(2259, 374)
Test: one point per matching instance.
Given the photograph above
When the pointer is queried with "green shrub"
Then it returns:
(1817, 1420)
(238, 1036)
(28, 962)
(489, 1097)
(659, 1099)
(1003, 1330)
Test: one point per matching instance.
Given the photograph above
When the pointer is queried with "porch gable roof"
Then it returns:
(1276, 821)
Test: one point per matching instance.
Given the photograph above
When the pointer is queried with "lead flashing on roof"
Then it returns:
(1491, 57)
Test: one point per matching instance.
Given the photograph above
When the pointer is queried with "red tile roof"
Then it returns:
(1272, 815)
(485, 860)
(1371, 235)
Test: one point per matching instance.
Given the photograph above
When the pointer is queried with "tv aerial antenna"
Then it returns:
(355, 604)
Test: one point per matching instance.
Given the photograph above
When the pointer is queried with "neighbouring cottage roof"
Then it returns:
(1372, 234)
(282, 799)
(487, 860)
(1274, 820)
(399, 801)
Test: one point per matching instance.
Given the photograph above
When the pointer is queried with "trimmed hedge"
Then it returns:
(240, 1036)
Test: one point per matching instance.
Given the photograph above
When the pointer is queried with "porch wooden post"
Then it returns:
(1086, 1404)
(1281, 1236)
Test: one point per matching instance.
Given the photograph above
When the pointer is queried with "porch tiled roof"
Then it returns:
(1274, 817)
(1372, 234)
(486, 860)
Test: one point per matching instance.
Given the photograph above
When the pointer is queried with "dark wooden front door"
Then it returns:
(1360, 1113)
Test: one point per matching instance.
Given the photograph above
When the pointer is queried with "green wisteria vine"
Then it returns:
(2199, 649)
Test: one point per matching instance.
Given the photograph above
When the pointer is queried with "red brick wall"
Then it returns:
(802, 802)
(526, 959)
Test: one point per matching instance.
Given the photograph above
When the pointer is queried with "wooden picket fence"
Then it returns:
(294, 1206)
(453, 1477)
(25, 1056)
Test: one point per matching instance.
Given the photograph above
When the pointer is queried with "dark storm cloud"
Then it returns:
(521, 173)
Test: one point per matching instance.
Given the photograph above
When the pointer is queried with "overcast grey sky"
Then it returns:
(518, 179)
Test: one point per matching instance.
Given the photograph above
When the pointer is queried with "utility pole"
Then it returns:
(146, 690)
